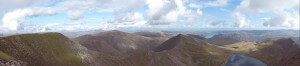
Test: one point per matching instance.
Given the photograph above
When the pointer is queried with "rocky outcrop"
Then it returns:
(10, 63)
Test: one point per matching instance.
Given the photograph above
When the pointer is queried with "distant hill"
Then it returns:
(151, 34)
(197, 36)
(117, 42)
(230, 38)
(44, 49)
(222, 41)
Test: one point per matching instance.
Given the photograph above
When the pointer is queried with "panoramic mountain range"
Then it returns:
(118, 48)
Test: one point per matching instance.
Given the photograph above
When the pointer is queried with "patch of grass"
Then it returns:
(5, 56)
(56, 47)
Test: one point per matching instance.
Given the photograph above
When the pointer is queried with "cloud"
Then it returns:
(212, 3)
(75, 14)
(12, 20)
(278, 8)
(130, 13)
(10, 5)
(260, 6)
(158, 9)
(220, 23)
(162, 12)
(216, 3)
(27, 27)
(282, 19)
(74, 9)
(240, 20)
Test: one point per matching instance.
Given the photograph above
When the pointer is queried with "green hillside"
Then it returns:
(45, 49)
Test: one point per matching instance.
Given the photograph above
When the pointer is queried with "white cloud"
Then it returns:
(12, 20)
(260, 6)
(132, 13)
(282, 19)
(278, 8)
(158, 9)
(129, 12)
(213, 3)
(168, 11)
(12, 4)
(74, 8)
(240, 20)
(216, 3)
(75, 14)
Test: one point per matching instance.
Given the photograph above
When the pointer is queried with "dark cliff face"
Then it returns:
(46, 49)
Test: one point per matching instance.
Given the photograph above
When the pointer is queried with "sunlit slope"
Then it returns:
(44, 49)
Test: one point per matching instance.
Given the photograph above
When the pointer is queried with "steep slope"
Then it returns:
(44, 49)
(281, 52)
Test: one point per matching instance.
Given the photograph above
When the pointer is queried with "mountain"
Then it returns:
(115, 48)
(274, 52)
(233, 37)
(296, 40)
(151, 34)
(218, 40)
(117, 43)
(197, 36)
(193, 52)
(40, 49)
(280, 52)
(180, 50)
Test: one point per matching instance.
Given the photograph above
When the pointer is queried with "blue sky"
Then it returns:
(83, 15)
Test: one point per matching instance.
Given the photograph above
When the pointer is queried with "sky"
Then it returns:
(84, 15)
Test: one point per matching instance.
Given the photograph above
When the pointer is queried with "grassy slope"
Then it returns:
(40, 49)
(5, 56)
